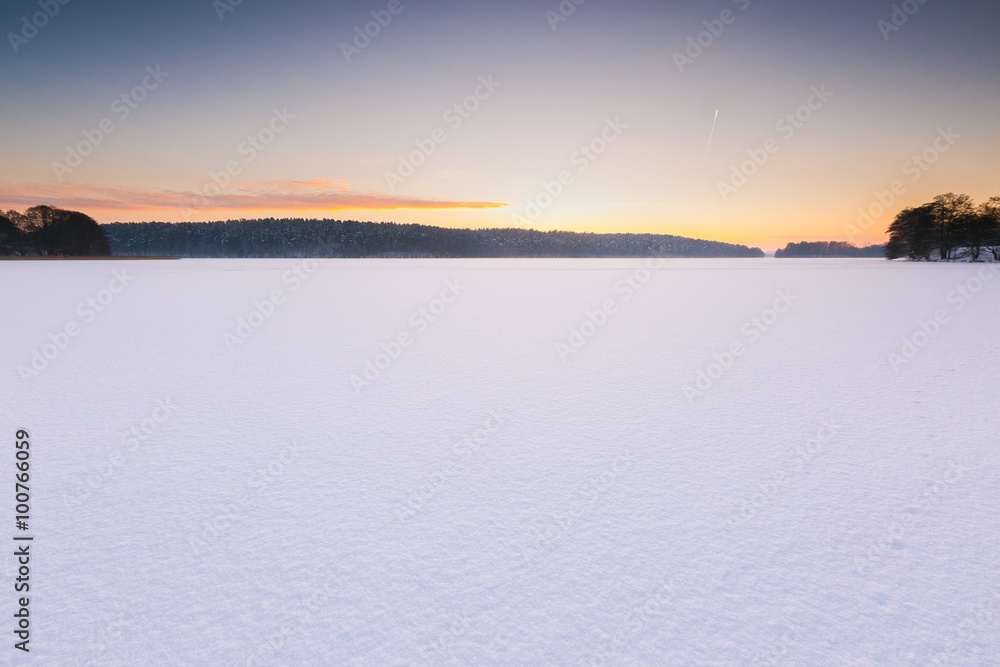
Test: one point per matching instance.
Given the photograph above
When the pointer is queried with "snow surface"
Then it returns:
(484, 501)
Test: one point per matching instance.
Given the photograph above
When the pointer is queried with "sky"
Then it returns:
(736, 120)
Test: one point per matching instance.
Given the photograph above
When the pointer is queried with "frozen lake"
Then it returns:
(511, 462)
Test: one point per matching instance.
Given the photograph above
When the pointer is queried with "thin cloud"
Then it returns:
(316, 195)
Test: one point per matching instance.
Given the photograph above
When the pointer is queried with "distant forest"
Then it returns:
(829, 249)
(333, 238)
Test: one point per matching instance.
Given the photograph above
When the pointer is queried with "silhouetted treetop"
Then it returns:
(48, 232)
(949, 227)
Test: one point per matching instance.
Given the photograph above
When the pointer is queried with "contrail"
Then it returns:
(712, 135)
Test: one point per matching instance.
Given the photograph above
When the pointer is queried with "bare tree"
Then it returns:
(952, 215)
(912, 233)
(989, 214)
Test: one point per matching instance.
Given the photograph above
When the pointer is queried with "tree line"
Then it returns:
(44, 231)
(829, 249)
(271, 237)
(951, 227)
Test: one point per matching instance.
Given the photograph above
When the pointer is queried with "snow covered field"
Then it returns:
(405, 462)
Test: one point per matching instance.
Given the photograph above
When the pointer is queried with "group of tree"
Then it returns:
(333, 238)
(44, 231)
(829, 249)
(949, 228)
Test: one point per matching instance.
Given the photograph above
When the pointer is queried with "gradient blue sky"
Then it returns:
(557, 89)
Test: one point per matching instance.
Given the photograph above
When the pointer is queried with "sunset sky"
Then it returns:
(265, 90)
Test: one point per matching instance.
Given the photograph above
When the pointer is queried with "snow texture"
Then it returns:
(502, 490)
